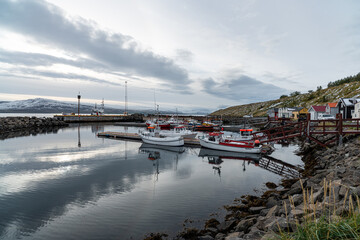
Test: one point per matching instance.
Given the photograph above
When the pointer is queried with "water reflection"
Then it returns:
(50, 183)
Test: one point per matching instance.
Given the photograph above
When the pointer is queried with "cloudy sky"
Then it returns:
(203, 54)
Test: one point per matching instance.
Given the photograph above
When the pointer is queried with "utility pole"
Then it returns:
(126, 103)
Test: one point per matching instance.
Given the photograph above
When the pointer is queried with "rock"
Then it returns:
(255, 210)
(264, 212)
(294, 190)
(225, 226)
(220, 236)
(269, 235)
(244, 225)
(277, 225)
(211, 223)
(272, 212)
(254, 233)
(297, 213)
(234, 236)
(206, 237)
(285, 209)
(343, 190)
(262, 222)
(319, 195)
(271, 185)
(298, 199)
(272, 201)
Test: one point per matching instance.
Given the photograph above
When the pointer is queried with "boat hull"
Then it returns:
(184, 135)
(217, 146)
(167, 141)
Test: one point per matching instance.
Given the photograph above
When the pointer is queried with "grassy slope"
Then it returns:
(332, 94)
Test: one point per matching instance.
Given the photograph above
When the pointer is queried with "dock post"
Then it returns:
(340, 129)
(308, 127)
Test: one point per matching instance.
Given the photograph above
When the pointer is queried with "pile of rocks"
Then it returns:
(11, 124)
(334, 179)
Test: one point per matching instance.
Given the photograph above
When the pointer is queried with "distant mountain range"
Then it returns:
(42, 105)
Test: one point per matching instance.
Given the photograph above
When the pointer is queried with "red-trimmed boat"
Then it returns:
(161, 123)
(217, 141)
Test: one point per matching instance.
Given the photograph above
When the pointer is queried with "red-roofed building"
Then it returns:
(331, 108)
(315, 111)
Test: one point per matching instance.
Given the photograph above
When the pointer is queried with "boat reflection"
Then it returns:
(156, 152)
(216, 157)
(221, 155)
(150, 147)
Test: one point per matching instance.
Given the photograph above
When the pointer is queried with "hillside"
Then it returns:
(318, 97)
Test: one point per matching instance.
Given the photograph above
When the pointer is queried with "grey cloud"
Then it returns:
(242, 88)
(47, 24)
(39, 59)
(20, 71)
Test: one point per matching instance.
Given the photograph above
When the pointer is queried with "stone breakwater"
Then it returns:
(14, 126)
(332, 178)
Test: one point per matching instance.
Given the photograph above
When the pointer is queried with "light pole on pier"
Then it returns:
(79, 96)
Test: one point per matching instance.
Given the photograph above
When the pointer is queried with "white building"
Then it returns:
(356, 113)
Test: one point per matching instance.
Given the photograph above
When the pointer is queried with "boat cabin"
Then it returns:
(246, 132)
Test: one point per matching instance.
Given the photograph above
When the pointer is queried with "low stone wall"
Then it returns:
(13, 124)
(283, 206)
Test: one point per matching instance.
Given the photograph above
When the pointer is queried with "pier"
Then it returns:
(335, 129)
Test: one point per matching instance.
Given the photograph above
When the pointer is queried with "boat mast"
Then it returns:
(102, 107)
(126, 100)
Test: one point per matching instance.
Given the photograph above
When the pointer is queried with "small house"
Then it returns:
(286, 112)
(315, 111)
(298, 112)
(346, 106)
(273, 112)
(331, 108)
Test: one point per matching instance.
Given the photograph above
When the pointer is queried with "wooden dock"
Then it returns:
(134, 136)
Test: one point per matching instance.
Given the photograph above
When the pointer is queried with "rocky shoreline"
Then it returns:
(330, 180)
(25, 126)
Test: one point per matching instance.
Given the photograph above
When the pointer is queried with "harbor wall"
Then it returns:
(100, 118)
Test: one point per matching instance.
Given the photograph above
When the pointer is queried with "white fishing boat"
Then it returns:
(152, 137)
(178, 131)
(215, 140)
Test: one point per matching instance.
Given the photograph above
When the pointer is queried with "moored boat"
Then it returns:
(178, 131)
(152, 137)
(161, 123)
(218, 142)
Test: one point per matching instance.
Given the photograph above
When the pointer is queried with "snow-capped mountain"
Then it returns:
(41, 105)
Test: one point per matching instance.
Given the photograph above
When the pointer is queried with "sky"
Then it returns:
(182, 54)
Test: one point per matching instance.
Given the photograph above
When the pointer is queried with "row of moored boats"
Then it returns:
(242, 142)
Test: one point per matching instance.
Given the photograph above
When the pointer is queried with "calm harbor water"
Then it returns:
(74, 185)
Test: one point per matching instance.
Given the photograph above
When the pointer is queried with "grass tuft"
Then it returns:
(328, 225)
